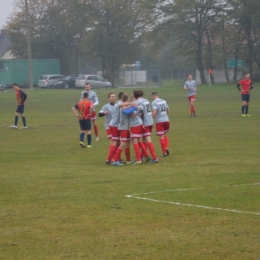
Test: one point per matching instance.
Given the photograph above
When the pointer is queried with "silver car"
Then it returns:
(45, 80)
(94, 81)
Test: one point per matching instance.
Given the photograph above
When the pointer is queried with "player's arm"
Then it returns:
(154, 112)
(127, 103)
(23, 97)
(102, 112)
(129, 111)
(74, 109)
(251, 85)
(95, 101)
(196, 87)
(186, 87)
(238, 87)
(91, 108)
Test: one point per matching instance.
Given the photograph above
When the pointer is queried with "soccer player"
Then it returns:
(85, 109)
(246, 86)
(92, 96)
(191, 87)
(147, 126)
(136, 129)
(113, 126)
(108, 110)
(160, 113)
(124, 134)
(20, 97)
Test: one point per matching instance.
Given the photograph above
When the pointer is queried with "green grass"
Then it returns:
(59, 201)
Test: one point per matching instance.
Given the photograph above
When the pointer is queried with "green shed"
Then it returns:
(17, 70)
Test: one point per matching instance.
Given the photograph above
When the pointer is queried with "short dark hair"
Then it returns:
(120, 94)
(141, 93)
(15, 84)
(124, 98)
(86, 83)
(85, 95)
(154, 94)
(136, 93)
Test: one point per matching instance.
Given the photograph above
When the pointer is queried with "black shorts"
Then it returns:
(245, 97)
(85, 124)
(20, 109)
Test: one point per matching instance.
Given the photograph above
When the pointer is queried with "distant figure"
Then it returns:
(92, 96)
(191, 87)
(84, 108)
(246, 85)
(21, 97)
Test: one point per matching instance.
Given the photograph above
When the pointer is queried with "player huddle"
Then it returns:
(133, 120)
(127, 121)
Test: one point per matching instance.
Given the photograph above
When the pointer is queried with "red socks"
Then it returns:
(152, 150)
(137, 152)
(162, 142)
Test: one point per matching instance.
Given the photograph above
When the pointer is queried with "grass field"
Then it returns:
(59, 201)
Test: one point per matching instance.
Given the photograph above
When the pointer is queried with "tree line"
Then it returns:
(162, 34)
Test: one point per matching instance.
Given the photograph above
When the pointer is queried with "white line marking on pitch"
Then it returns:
(136, 196)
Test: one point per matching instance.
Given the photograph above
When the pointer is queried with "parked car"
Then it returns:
(2, 86)
(45, 80)
(94, 81)
(65, 82)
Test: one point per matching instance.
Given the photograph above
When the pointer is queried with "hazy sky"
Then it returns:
(6, 7)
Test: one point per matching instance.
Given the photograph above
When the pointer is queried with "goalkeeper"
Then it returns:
(246, 86)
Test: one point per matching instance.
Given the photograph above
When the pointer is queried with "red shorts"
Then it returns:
(162, 128)
(147, 130)
(136, 131)
(191, 98)
(124, 135)
(109, 134)
(115, 133)
(93, 115)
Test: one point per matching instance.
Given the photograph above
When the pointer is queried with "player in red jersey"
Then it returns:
(20, 97)
(246, 86)
(85, 108)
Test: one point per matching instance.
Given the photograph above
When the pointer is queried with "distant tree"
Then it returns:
(114, 35)
(190, 23)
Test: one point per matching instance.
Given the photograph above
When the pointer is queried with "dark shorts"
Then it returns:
(20, 109)
(85, 124)
(245, 97)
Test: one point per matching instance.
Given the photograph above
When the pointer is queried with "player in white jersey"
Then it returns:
(147, 126)
(92, 96)
(191, 87)
(108, 110)
(136, 129)
(124, 134)
(160, 113)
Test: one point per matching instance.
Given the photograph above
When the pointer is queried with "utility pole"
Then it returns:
(29, 48)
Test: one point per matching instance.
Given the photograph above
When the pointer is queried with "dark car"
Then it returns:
(65, 82)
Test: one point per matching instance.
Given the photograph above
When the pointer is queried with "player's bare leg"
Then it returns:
(94, 123)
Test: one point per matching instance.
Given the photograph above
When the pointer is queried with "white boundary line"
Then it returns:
(137, 196)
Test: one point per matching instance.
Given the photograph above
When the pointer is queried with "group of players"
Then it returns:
(126, 120)
(133, 120)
